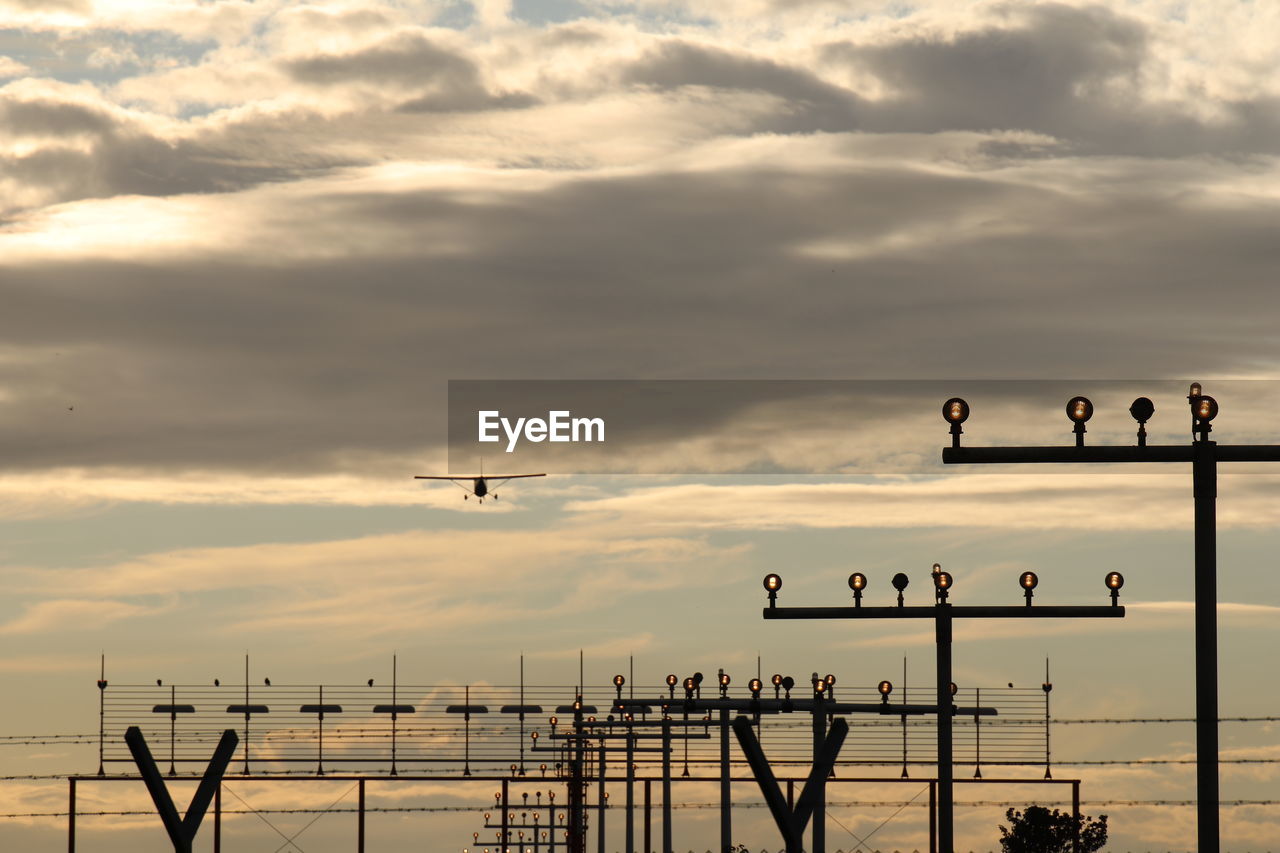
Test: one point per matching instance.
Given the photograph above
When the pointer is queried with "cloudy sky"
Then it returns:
(244, 247)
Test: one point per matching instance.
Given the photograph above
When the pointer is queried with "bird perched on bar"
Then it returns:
(266, 681)
(217, 683)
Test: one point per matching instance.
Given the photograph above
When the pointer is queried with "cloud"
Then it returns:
(1008, 502)
(67, 144)
(10, 67)
(443, 79)
(807, 103)
(372, 585)
(70, 614)
(1074, 73)
(77, 6)
(335, 331)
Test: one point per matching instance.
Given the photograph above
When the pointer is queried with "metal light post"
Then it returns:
(1204, 455)
(942, 612)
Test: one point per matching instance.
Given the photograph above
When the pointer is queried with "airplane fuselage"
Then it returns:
(481, 487)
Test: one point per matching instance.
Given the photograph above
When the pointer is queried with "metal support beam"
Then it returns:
(603, 801)
(942, 636)
(1204, 476)
(726, 800)
(360, 818)
(630, 840)
(819, 736)
(504, 817)
(648, 818)
(1075, 813)
(666, 786)
(791, 822)
(181, 830)
(217, 819)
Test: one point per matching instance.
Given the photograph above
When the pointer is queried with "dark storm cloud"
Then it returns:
(51, 117)
(1070, 73)
(811, 104)
(1073, 73)
(339, 363)
(121, 156)
(447, 80)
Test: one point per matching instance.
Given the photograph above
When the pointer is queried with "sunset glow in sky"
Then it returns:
(244, 246)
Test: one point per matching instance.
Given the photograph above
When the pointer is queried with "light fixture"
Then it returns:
(857, 583)
(941, 583)
(1028, 581)
(755, 685)
(773, 583)
(1142, 409)
(618, 681)
(955, 411)
(1203, 410)
(900, 582)
(885, 688)
(1079, 410)
(1115, 581)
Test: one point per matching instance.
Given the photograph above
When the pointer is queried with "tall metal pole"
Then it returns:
(360, 817)
(648, 818)
(630, 841)
(666, 784)
(726, 818)
(217, 818)
(820, 806)
(1204, 476)
(71, 816)
(603, 801)
(942, 630)
(1075, 813)
(506, 818)
(102, 711)
(577, 834)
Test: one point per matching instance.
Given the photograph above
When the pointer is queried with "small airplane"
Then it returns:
(480, 483)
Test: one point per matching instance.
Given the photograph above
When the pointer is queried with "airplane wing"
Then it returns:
(477, 477)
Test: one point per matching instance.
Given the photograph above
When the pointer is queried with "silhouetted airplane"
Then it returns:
(479, 483)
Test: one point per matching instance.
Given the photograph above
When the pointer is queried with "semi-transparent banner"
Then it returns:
(855, 426)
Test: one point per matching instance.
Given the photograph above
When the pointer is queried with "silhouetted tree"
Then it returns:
(1038, 830)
